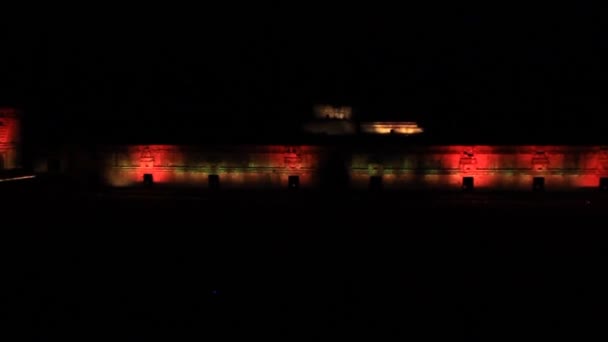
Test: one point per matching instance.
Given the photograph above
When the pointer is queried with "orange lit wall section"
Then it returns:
(390, 128)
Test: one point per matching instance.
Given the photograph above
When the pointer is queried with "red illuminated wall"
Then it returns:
(405, 167)
(9, 138)
(237, 166)
(492, 167)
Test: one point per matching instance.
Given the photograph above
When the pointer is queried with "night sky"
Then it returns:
(475, 71)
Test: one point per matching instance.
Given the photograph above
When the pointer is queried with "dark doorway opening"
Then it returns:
(604, 183)
(293, 182)
(214, 182)
(148, 179)
(375, 183)
(538, 184)
(468, 183)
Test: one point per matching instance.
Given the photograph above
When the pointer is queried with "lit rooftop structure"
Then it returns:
(339, 120)
(398, 127)
(331, 120)
(333, 112)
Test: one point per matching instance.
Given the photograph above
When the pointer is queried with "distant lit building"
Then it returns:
(333, 120)
(378, 127)
(333, 112)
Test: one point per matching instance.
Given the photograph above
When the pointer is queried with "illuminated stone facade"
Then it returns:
(247, 167)
(10, 138)
(358, 163)
(490, 167)
(444, 167)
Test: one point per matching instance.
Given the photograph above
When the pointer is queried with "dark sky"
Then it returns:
(478, 70)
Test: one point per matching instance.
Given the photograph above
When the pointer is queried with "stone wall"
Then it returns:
(397, 167)
(236, 166)
(491, 167)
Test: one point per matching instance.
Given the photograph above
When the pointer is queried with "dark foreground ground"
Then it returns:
(143, 266)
